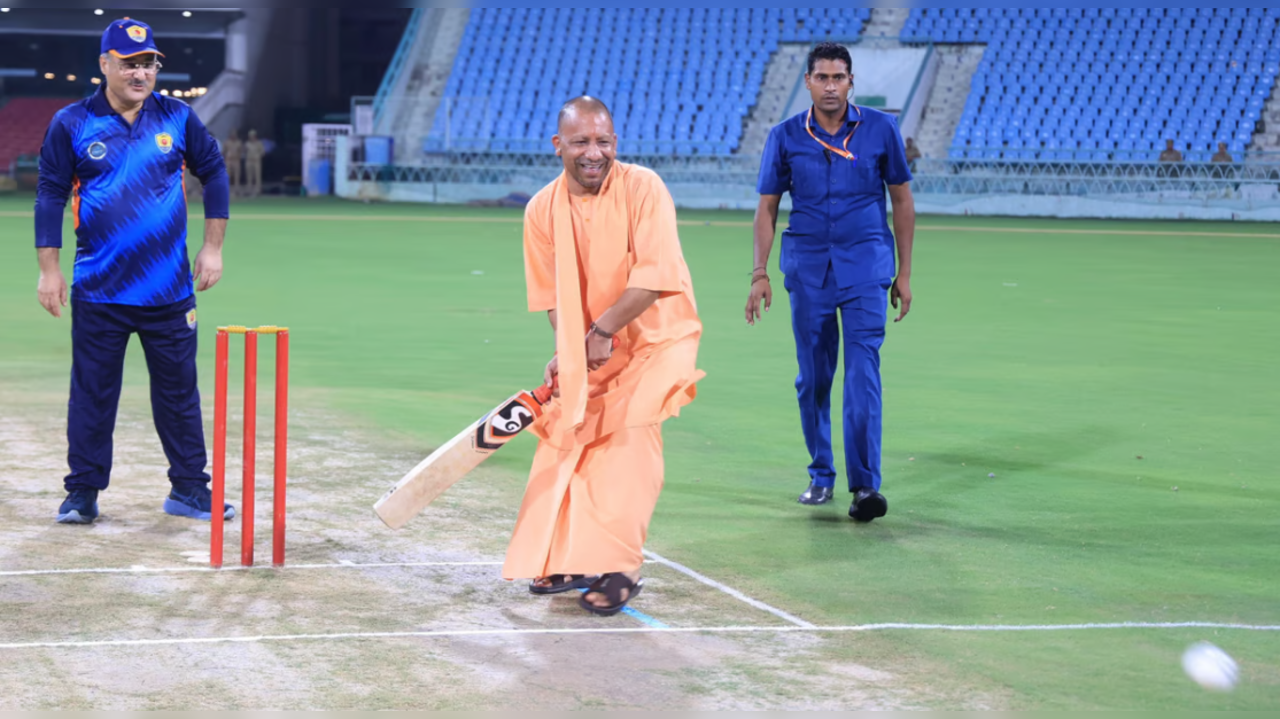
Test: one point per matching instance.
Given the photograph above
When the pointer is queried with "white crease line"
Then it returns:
(464, 633)
(730, 591)
(238, 568)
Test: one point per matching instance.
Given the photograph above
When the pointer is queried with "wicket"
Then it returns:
(250, 440)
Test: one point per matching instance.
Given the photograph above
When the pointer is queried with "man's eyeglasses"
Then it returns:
(149, 67)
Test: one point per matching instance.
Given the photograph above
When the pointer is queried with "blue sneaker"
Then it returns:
(194, 500)
(80, 506)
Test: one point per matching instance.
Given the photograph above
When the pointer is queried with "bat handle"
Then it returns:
(543, 394)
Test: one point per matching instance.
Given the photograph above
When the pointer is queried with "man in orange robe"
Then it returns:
(603, 259)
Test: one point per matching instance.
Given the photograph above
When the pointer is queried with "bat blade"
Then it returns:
(457, 457)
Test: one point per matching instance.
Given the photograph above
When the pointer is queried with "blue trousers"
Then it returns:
(863, 311)
(99, 337)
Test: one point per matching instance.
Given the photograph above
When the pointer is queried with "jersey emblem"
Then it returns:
(97, 151)
(164, 141)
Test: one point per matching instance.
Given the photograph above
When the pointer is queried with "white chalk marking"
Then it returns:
(238, 568)
(465, 633)
(729, 590)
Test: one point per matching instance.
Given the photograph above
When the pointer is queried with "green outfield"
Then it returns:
(1081, 423)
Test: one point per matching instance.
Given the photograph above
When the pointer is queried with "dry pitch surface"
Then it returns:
(430, 626)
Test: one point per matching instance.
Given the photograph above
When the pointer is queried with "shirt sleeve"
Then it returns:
(895, 169)
(57, 174)
(539, 261)
(655, 239)
(775, 173)
(205, 161)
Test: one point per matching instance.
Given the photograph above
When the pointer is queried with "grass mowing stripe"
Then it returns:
(303, 217)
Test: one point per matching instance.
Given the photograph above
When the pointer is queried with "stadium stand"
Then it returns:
(678, 81)
(23, 121)
(1102, 84)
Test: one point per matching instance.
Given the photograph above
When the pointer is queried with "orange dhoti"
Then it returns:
(587, 508)
(598, 469)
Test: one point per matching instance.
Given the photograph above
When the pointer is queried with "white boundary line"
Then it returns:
(238, 568)
(730, 591)
(466, 633)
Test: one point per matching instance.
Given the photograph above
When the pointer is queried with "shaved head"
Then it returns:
(579, 106)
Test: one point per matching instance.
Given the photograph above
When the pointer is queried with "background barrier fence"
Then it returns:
(1240, 190)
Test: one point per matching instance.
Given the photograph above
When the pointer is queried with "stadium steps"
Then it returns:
(780, 77)
(1268, 140)
(957, 64)
(439, 37)
(886, 22)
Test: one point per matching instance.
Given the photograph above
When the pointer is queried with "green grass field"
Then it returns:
(1118, 379)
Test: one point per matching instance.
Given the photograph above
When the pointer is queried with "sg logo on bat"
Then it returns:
(507, 421)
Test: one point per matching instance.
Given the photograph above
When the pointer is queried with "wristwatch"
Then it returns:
(596, 329)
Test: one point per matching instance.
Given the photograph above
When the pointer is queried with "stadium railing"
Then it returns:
(1248, 190)
(482, 167)
(977, 176)
(1258, 174)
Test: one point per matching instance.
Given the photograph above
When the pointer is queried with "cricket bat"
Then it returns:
(455, 458)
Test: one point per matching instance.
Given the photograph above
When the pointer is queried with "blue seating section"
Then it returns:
(1109, 83)
(678, 81)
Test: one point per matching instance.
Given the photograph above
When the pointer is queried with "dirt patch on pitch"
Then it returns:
(336, 473)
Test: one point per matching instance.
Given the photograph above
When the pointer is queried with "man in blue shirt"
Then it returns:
(119, 156)
(838, 258)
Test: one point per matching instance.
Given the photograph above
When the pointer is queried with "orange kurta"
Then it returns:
(598, 469)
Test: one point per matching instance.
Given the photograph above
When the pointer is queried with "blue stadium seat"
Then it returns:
(1199, 72)
(646, 68)
(1052, 76)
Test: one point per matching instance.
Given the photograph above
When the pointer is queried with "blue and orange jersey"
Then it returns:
(125, 183)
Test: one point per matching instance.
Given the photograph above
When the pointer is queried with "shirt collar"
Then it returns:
(852, 114)
(608, 180)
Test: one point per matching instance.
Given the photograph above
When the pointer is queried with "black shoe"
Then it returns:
(868, 505)
(815, 495)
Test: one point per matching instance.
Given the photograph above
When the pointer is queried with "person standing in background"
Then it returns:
(233, 155)
(253, 152)
(837, 160)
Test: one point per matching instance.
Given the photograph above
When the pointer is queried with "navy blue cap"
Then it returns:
(126, 38)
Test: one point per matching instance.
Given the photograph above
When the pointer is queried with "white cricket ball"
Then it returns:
(1210, 667)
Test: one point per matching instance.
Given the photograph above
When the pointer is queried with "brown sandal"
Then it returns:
(611, 586)
(560, 583)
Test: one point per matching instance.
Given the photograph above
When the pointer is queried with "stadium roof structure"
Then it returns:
(167, 22)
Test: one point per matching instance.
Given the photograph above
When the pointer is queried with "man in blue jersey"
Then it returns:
(119, 156)
(838, 258)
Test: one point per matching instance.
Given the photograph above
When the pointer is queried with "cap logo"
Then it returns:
(137, 33)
